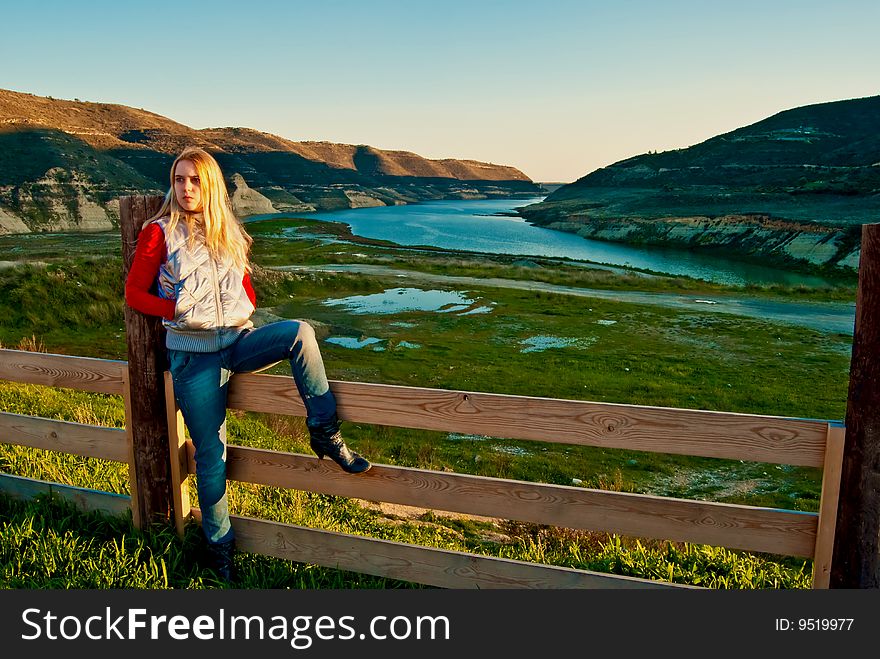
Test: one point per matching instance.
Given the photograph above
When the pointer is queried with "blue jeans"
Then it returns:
(201, 383)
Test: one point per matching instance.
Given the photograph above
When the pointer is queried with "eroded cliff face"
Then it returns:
(65, 201)
(11, 222)
(780, 242)
(61, 200)
(245, 200)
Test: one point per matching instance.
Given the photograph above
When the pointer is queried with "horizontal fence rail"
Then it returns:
(19, 487)
(749, 437)
(83, 373)
(425, 565)
(754, 438)
(757, 438)
(64, 436)
(638, 515)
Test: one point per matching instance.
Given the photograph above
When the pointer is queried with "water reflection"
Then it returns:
(351, 342)
(396, 300)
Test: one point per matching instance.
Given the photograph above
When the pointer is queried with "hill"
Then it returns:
(63, 165)
(795, 187)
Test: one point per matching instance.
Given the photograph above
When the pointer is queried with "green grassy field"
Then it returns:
(607, 351)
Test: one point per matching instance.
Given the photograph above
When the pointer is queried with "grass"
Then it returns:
(650, 356)
(47, 543)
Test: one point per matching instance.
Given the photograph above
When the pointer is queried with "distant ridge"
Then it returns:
(63, 165)
(792, 188)
(827, 147)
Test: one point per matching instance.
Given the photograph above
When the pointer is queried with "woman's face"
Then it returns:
(187, 186)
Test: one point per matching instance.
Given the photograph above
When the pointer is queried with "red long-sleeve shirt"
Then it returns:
(149, 256)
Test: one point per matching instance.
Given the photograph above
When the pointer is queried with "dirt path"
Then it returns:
(831, 317)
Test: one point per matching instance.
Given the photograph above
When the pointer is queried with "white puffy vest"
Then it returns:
(212, 306)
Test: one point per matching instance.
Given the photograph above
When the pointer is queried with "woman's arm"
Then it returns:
(249, 288)
(148, 257)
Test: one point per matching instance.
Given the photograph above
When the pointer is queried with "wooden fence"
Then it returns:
(665, 430)
(843, 541)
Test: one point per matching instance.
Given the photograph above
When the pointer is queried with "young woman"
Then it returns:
(195, 252)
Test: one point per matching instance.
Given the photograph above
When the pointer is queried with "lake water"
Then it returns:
(475, 225)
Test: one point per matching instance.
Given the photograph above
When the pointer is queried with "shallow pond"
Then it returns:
(353, 343)
(396, 300)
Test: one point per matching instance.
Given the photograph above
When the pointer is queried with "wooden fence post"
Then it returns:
(146, 420)
(856, 558)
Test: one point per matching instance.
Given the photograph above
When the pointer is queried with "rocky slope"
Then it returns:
(63, 165)
(792, 189)
(754, 235)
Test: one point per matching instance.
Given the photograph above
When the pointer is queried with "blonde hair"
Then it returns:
(224, 235)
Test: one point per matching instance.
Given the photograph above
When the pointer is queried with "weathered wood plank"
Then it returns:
(663, 430)
(82, 373)
(748, 437)
(857, 536)
(177, 445)
(636, 515)
(828, 507)
(146, 420)
(19, 487)
(63, 436)
(424, 565)
(129, 449)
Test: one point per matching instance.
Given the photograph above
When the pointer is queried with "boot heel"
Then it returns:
(335, 447)
(317, 449)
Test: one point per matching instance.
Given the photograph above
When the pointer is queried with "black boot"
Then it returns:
(220, 560)
(327, 440)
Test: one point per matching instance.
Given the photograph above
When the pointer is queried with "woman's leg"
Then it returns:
(295, 341)
(200, 387)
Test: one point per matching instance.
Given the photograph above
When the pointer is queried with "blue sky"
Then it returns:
(556, 88)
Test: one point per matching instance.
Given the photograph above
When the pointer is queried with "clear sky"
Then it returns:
(556, 88)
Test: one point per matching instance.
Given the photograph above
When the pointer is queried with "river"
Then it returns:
(481, 226)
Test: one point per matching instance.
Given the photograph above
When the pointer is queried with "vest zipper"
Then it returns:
(218, 312)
